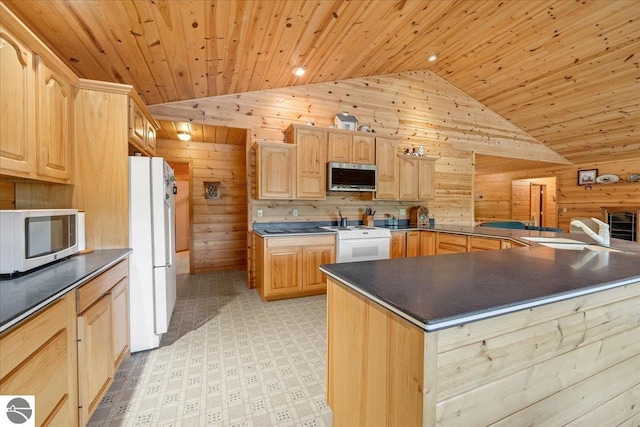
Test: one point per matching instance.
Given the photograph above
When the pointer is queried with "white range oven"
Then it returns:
(361, 243)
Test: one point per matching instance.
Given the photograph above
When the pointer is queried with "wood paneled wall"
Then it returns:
(493, 197)
(219, 226)
(7, 195)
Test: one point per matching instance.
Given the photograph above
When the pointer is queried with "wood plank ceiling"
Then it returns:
(564, 71)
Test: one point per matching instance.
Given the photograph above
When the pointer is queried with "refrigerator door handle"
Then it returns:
(168, 233)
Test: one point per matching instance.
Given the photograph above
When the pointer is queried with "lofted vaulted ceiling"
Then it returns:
(566, 72)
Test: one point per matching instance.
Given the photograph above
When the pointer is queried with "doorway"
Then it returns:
(534, 201)
(538, 204)
(183, 230)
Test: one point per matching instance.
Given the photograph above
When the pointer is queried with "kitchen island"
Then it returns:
(486, 338)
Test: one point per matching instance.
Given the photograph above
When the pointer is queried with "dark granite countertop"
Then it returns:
(436, 292)
(24, 295)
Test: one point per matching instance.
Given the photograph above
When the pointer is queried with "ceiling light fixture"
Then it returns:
(184, 135)
(433, 57)
(299, 71)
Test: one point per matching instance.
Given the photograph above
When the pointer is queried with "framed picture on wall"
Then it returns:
(587, 176)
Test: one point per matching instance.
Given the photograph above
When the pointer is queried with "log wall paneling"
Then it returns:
(578, 201)
(218, 238)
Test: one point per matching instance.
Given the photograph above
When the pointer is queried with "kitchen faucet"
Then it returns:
(602, 237)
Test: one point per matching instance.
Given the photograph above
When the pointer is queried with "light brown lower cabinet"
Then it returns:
(95, 358)
(423, 242)
(287, 267)
(103, 335)
(38, 357)
(398, 244)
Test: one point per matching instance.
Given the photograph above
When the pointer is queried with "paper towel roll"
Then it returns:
(82, 243)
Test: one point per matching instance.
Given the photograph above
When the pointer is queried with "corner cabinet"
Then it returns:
(311, 161)
(275, 170)
(288, 267)
(38, 357)
(36, 100)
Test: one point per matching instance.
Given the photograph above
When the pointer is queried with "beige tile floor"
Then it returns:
(229, 359)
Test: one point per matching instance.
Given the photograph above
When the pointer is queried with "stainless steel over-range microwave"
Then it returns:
(351, 177)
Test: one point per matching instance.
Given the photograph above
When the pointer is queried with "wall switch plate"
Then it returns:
(260, 213)
(295, 212)
(403, 211)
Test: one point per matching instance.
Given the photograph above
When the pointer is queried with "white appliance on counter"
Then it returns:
(152, 263)
(361, 243)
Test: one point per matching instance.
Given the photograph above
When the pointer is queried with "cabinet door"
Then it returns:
(275, 165)
(54, 95)
(150, 138)
(363, 149)
(137, 125)
(120, 322)
(408, 182)
(339, 148)
(312, 159)
(413, 243)
(312, 257)
(426, 179)
(283, 269)
(398, 244)
(427, 243)
(95, 356)
(17, 107)
(386, 155)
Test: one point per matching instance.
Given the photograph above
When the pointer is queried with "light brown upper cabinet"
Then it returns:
(55, 103)
(311, 161)
(142, 127)
(351, 147)
(275, 170)
(417, 177)
(387, 164)
(34, 146)
(17, 103)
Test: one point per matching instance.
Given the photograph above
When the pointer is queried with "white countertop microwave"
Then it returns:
(36, 237)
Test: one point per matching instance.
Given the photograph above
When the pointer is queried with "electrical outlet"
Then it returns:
(260, 213)
(295, 212)
(564, 210)
(403, 211)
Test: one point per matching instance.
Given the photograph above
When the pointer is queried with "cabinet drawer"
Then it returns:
(28, 336)
(451, 243)
(91, 291)
(282, 242)
(485, 243)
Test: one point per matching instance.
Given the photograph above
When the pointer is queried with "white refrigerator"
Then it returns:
(152, 238)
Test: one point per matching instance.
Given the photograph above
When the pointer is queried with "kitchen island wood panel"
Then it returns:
(542, 364)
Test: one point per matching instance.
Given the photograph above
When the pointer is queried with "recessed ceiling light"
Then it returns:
(433, 57)
(299, 71)
(184, 135)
